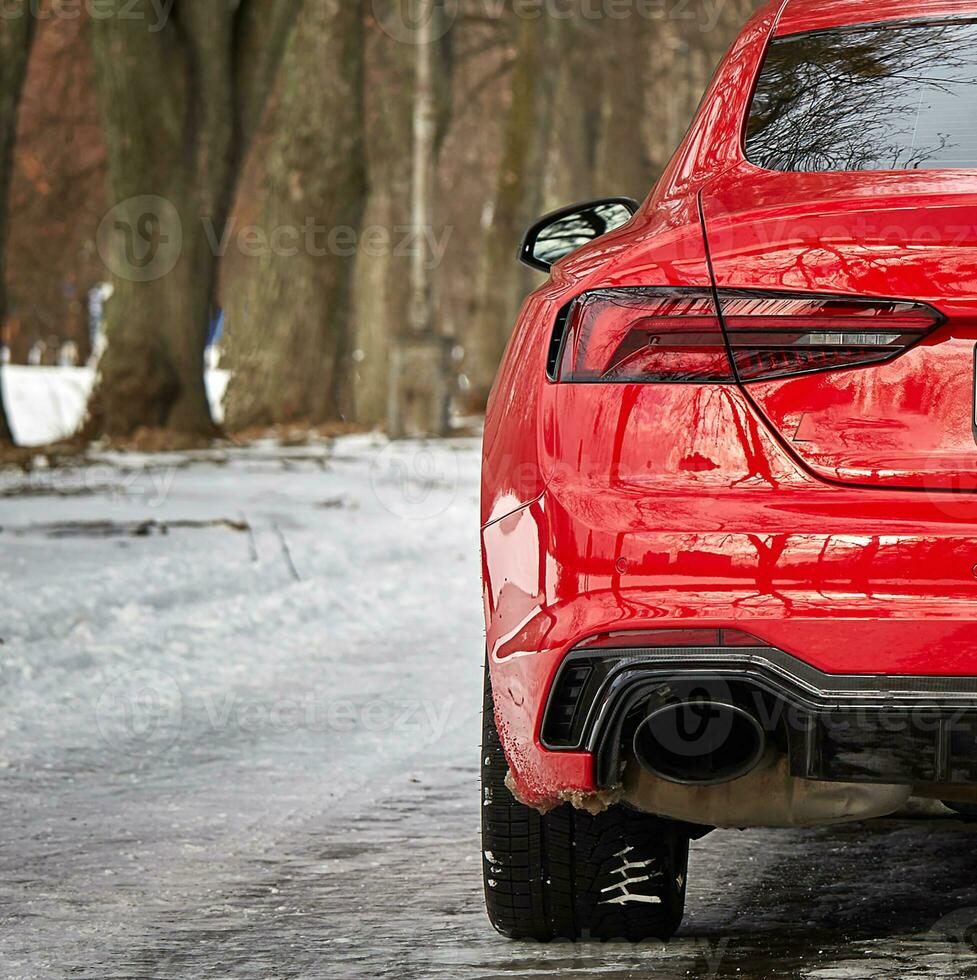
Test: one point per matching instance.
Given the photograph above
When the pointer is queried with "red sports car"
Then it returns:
(729, 512)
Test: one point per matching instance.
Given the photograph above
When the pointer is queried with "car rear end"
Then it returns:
(731, 544)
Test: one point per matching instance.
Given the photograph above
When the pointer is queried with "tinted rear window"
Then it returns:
(883, 98)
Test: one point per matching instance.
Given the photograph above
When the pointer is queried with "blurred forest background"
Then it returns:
(321, 197)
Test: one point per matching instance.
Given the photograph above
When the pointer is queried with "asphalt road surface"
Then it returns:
(239, 724)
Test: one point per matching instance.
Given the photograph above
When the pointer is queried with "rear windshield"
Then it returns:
(901, 97)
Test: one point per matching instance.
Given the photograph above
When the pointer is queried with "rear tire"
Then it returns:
(571, 876)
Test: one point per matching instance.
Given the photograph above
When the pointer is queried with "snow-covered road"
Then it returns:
(239, 717)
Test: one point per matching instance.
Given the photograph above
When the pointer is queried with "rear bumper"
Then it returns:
(670, 506)
(868, 604)
(835, 728)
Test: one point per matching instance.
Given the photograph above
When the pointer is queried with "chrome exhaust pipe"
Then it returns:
(700, 741)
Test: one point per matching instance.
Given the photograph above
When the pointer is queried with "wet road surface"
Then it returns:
(254, 754)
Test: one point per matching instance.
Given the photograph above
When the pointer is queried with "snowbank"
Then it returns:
(47, 403)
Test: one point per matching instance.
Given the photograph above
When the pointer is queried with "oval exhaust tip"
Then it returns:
(700, 742)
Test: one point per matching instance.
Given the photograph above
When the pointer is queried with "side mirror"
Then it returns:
(566, 230)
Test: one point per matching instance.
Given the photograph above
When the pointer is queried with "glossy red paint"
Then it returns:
(816, 15)
(720, 506)
(908, 423)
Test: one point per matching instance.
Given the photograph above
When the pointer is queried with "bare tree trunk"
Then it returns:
(288, 320)
(620, 161)
(576, 118)
(598, 148)
(519, 197)
(17, 28)
(180, 103)
(423, 182)
(419, 392)
(380, 296)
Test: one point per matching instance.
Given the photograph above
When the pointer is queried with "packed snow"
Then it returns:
(239, 738)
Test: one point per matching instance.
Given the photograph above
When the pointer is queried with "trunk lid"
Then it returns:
(907, 423)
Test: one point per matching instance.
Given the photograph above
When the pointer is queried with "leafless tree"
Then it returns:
(419, 393)
(181, 101)
(17, 29)
(288, 307)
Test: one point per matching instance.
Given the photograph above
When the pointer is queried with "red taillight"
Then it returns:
(644, 335)
(776, 336)
(670, 335)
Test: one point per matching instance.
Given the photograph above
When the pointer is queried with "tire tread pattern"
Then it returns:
(556, 876)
